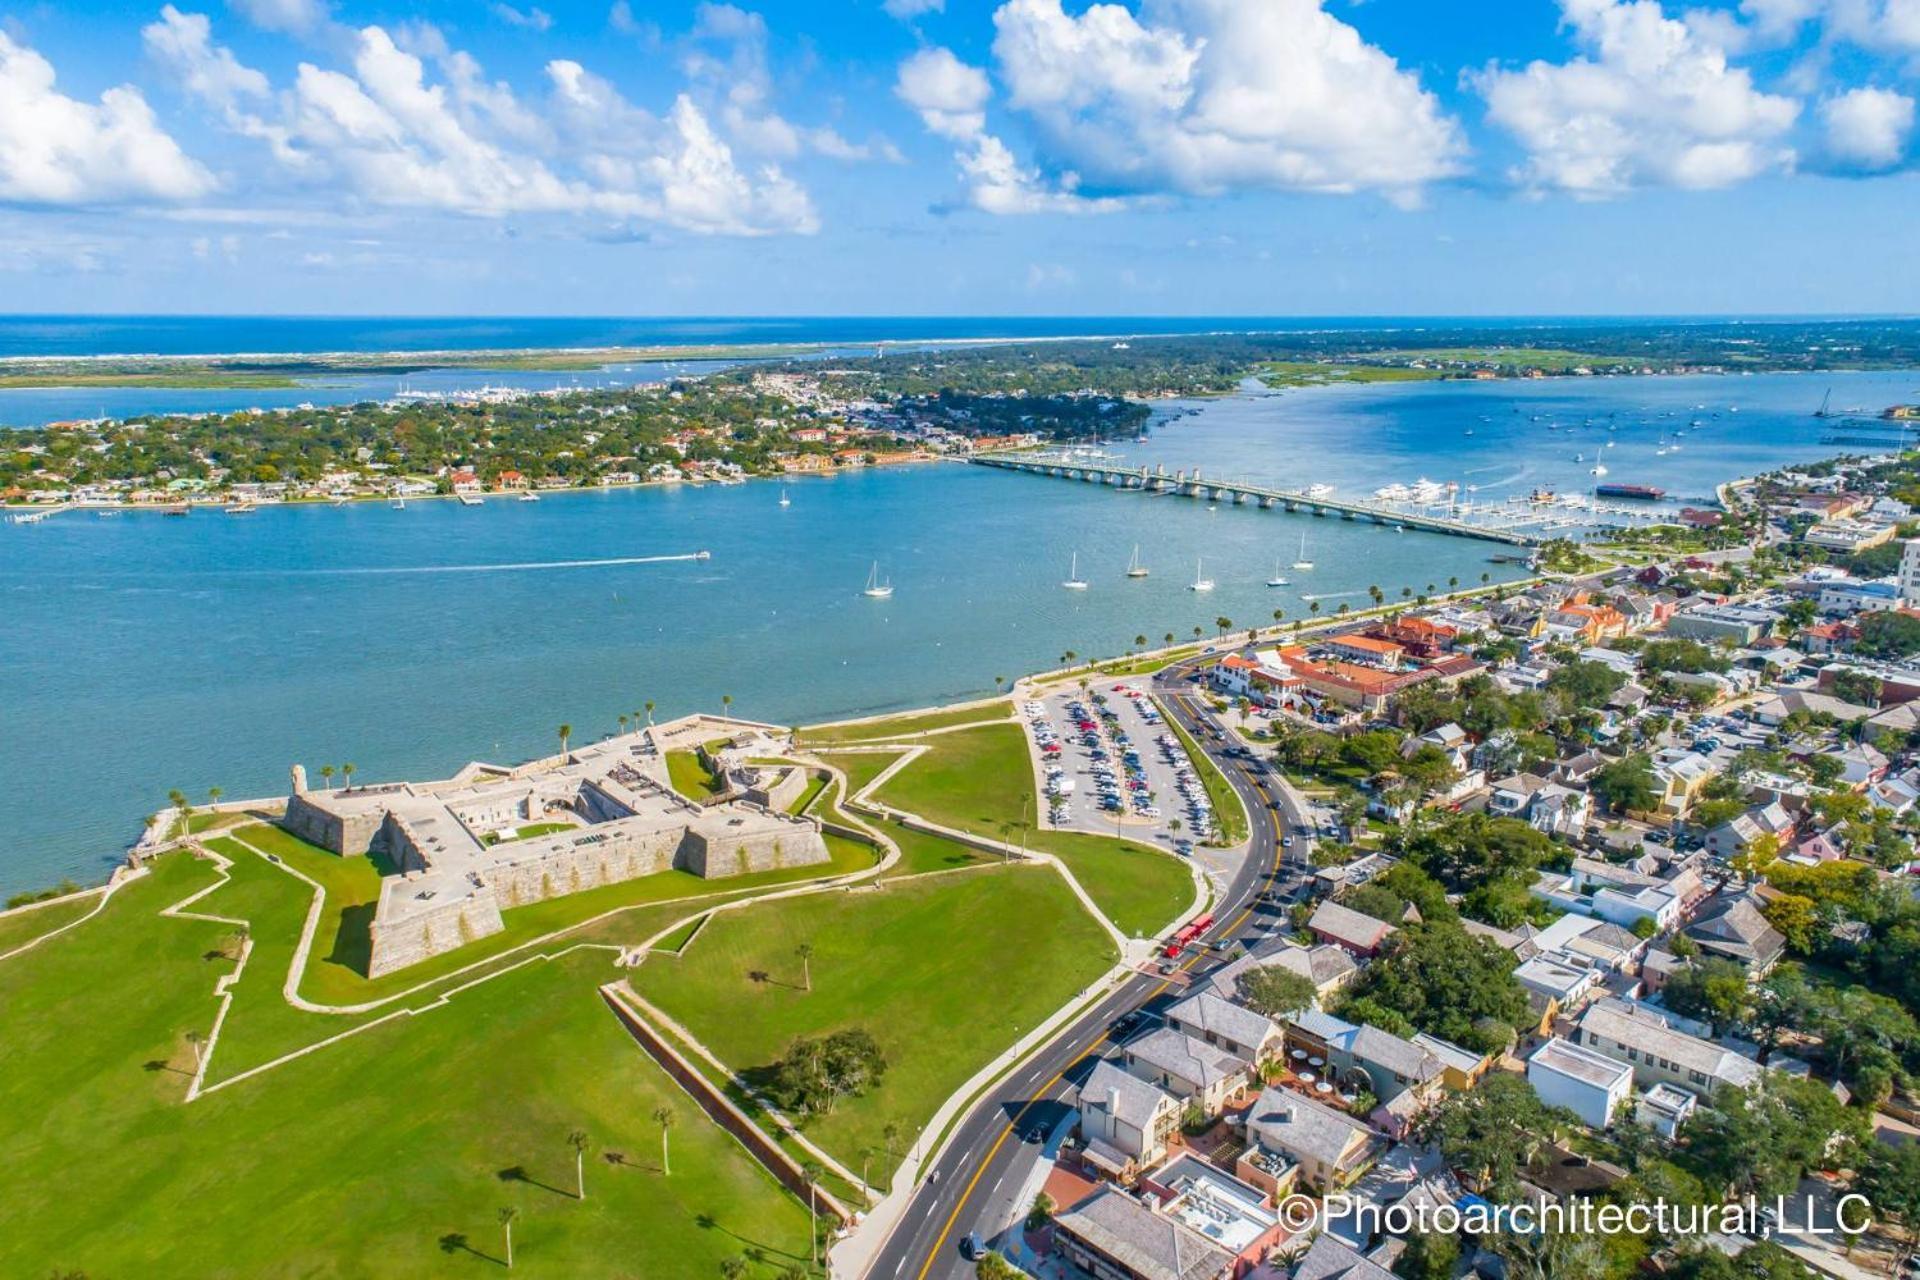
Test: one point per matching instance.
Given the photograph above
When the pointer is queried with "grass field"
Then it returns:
(921, 852)
(336, 970)
(980, 781)
(22, 927)
(1305, 373)
(944, 973)
(900, 725)
(808, 794)
(385, 1155)
(861, 767)
(691, 778)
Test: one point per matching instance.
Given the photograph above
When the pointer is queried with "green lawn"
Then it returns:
(531, 830)
(861, 767)
(24, 926)
(981, 781)
(921, 852)
(1227, 811)
(943, 972)
(809, 793)
(901, 725)
(382, 1155)
(336, 969)
(691, 778)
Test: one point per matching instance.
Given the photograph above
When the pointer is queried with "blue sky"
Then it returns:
(1209, 157)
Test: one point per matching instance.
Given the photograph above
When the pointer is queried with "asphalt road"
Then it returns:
(985, 1151)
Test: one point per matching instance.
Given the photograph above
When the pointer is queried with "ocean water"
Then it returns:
(140, 653)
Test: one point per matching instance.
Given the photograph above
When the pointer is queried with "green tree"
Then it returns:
(1712, 989)
(663, 1116)
(804, 952)
(1627, 785)
(579, 1142)
(506, 1216)
(566, 732)
(1494, 1132)
(1275, 991)
(1763, 1139)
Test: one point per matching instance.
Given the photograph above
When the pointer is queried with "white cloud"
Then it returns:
(1652, 102)
(1207, 96)
(59, 150)
(296, 17)
(531, 18)
(1867, 128)
(729, 63)
(950, 96)
(182, 44)
(907, 10)
(389, 132)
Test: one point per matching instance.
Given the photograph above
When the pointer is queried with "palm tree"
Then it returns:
(195, 1041)
(346, 773)
(732, 1268)
(1198, 632)
(623, 724)
(1453, 583)
(805, 952)
(1279, 616)
(649, 707)
(1485, 578)
(813, 1172)
(506, 1216)
(177, 799)
(997, 682)
(213, 795)
(566, 731)
(1069, 657)
(326, 775)
(890, 1136)
(1406, 593)
(663, 1116)
(579, 1142)
(1313, 607)
(1169, 637)
(726, 702)
(1342, 610)
(1224, 623)
(1139, 642)
(1378, 595)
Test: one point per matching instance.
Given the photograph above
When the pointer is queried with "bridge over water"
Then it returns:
(1494, 526)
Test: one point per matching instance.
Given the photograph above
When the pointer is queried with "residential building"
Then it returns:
(1326, 966)
(1909, 579)
(1734, 929)
(1712, 622)
(1545, 806)
(1348, 929)
(1226, 1025)
(1850, 537)
(1850, 599)
(1330, 1147)
(1680, 775)
(1230, 1213)
(1391, 1066)
(1112, 1236)
(1333, 1259)
(1129, 1117)
(1189, 1069)
(1659, 1052)
(1589, 1084)
(1665, 1108)
(1737, 834)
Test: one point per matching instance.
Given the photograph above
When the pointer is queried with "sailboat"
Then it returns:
(1074, 581)
(877, 589)
(1303, 563)
(785, 501)
(1134, 568)
(1200, 581)
(1276, 580)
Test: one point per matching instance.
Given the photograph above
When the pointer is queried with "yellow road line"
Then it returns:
(946, 1231)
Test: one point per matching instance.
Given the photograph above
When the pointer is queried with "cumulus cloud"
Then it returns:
(950, 96)
(416, 124)
(907, 10)
(1207, 96)
(60, 150)
(1652, 101)
(1867, 128)
(1184, 97)
(297, 17)
(182, 43)
(951, 99)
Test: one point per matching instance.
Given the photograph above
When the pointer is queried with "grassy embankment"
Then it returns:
(17, 928)
(893, 728)
(389, 1153)
(943, 972)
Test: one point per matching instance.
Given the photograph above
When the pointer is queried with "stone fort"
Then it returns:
(460, 861)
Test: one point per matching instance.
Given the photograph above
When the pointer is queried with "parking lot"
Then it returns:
(1110, 765)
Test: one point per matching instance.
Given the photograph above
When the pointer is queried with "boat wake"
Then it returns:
(516, 567)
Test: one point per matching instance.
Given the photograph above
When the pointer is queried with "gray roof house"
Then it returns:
(1329, 1145)
(1734, 929)
(1112, 1234)
(1329, 1259)
(1226, 1025)
(1659, 1052)
(1130, 1116)
(1186, 1067)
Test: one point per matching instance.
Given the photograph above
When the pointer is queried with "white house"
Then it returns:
(1591, 1085)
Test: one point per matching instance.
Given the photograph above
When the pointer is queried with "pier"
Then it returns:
(1492, 525)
